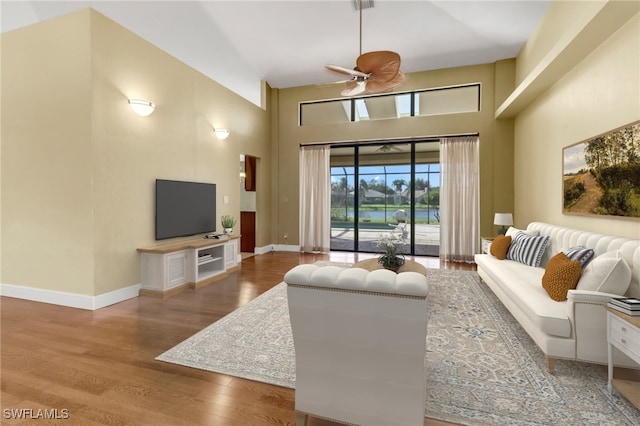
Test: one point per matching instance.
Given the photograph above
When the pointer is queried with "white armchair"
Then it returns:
(360, 343)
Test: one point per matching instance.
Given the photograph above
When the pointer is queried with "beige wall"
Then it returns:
(562, 23)
(494, 140)
(599, 94)
(47, 198)
(78, 166)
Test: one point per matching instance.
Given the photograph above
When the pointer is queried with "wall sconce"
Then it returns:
(504, 220)
(142, 107)
(221, 133)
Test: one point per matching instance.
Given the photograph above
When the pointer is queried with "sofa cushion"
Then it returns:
(511, 232)
(560, 276)
(527, 249)
(500, 246)
(607, 273)
(581, 254)
(358, 279)
(521, 283)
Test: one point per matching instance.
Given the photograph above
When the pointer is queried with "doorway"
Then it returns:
(381, 188)
(248, 193)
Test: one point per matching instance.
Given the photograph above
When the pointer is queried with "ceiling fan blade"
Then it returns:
(390, 147)
(348, 71)
(381, 65)
(355, 88)
(334, 82)
(376, 86)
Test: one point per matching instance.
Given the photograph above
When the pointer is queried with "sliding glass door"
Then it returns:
(343, 195)
(427, 209)
(384, 174)
(385, 188)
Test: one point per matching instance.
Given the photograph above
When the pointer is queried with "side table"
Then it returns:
(623, 332)
(486, 242)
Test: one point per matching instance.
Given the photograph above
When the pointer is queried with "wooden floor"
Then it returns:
(99, 366)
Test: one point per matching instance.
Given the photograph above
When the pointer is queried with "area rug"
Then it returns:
(482, 367)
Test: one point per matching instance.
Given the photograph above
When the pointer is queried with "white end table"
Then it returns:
(623, 332)
(486, 243)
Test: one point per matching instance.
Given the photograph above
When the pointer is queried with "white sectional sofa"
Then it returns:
(573, 329)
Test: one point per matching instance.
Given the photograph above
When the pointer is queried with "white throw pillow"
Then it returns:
(607, 273)
(511, 232)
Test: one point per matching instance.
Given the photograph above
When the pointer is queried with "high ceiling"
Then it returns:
(287, 43)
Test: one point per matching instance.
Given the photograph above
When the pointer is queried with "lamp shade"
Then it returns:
(503, 219)
(142, 107)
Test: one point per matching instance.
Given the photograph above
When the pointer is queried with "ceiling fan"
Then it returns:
(375, 72)
(389, 147)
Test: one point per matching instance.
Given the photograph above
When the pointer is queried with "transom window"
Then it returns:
(444, 100)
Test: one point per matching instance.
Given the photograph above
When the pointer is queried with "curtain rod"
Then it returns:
(389, 140)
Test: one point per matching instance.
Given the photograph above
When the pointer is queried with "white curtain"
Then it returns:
(460, 199)
(315, 199)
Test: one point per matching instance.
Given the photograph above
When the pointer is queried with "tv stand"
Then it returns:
(169, 268)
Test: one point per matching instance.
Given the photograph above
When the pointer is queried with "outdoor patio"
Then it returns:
(427, 239)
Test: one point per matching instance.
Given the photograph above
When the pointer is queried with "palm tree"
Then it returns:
(362, 191)
(398, 184)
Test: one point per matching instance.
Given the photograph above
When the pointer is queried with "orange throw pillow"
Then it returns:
(500, 246)
(560, 276)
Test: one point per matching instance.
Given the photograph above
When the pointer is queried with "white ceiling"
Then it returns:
(287, 43)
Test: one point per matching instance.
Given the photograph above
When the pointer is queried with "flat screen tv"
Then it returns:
(184, 208)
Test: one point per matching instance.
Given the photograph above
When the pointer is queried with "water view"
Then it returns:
(381, 215)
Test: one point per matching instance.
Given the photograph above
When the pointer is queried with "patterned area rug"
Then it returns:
(482, 367)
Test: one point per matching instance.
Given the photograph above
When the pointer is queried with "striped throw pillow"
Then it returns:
(581, 254)
(527, 249)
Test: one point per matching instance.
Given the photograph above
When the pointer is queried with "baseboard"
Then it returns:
(287, 247)
(71, 300)
(116, 296)
(276, 247)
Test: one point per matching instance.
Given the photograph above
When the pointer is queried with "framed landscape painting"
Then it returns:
(601, 176)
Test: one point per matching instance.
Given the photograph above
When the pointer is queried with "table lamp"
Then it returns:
(503, 220)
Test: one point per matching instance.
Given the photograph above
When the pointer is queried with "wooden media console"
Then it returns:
(169, 268)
